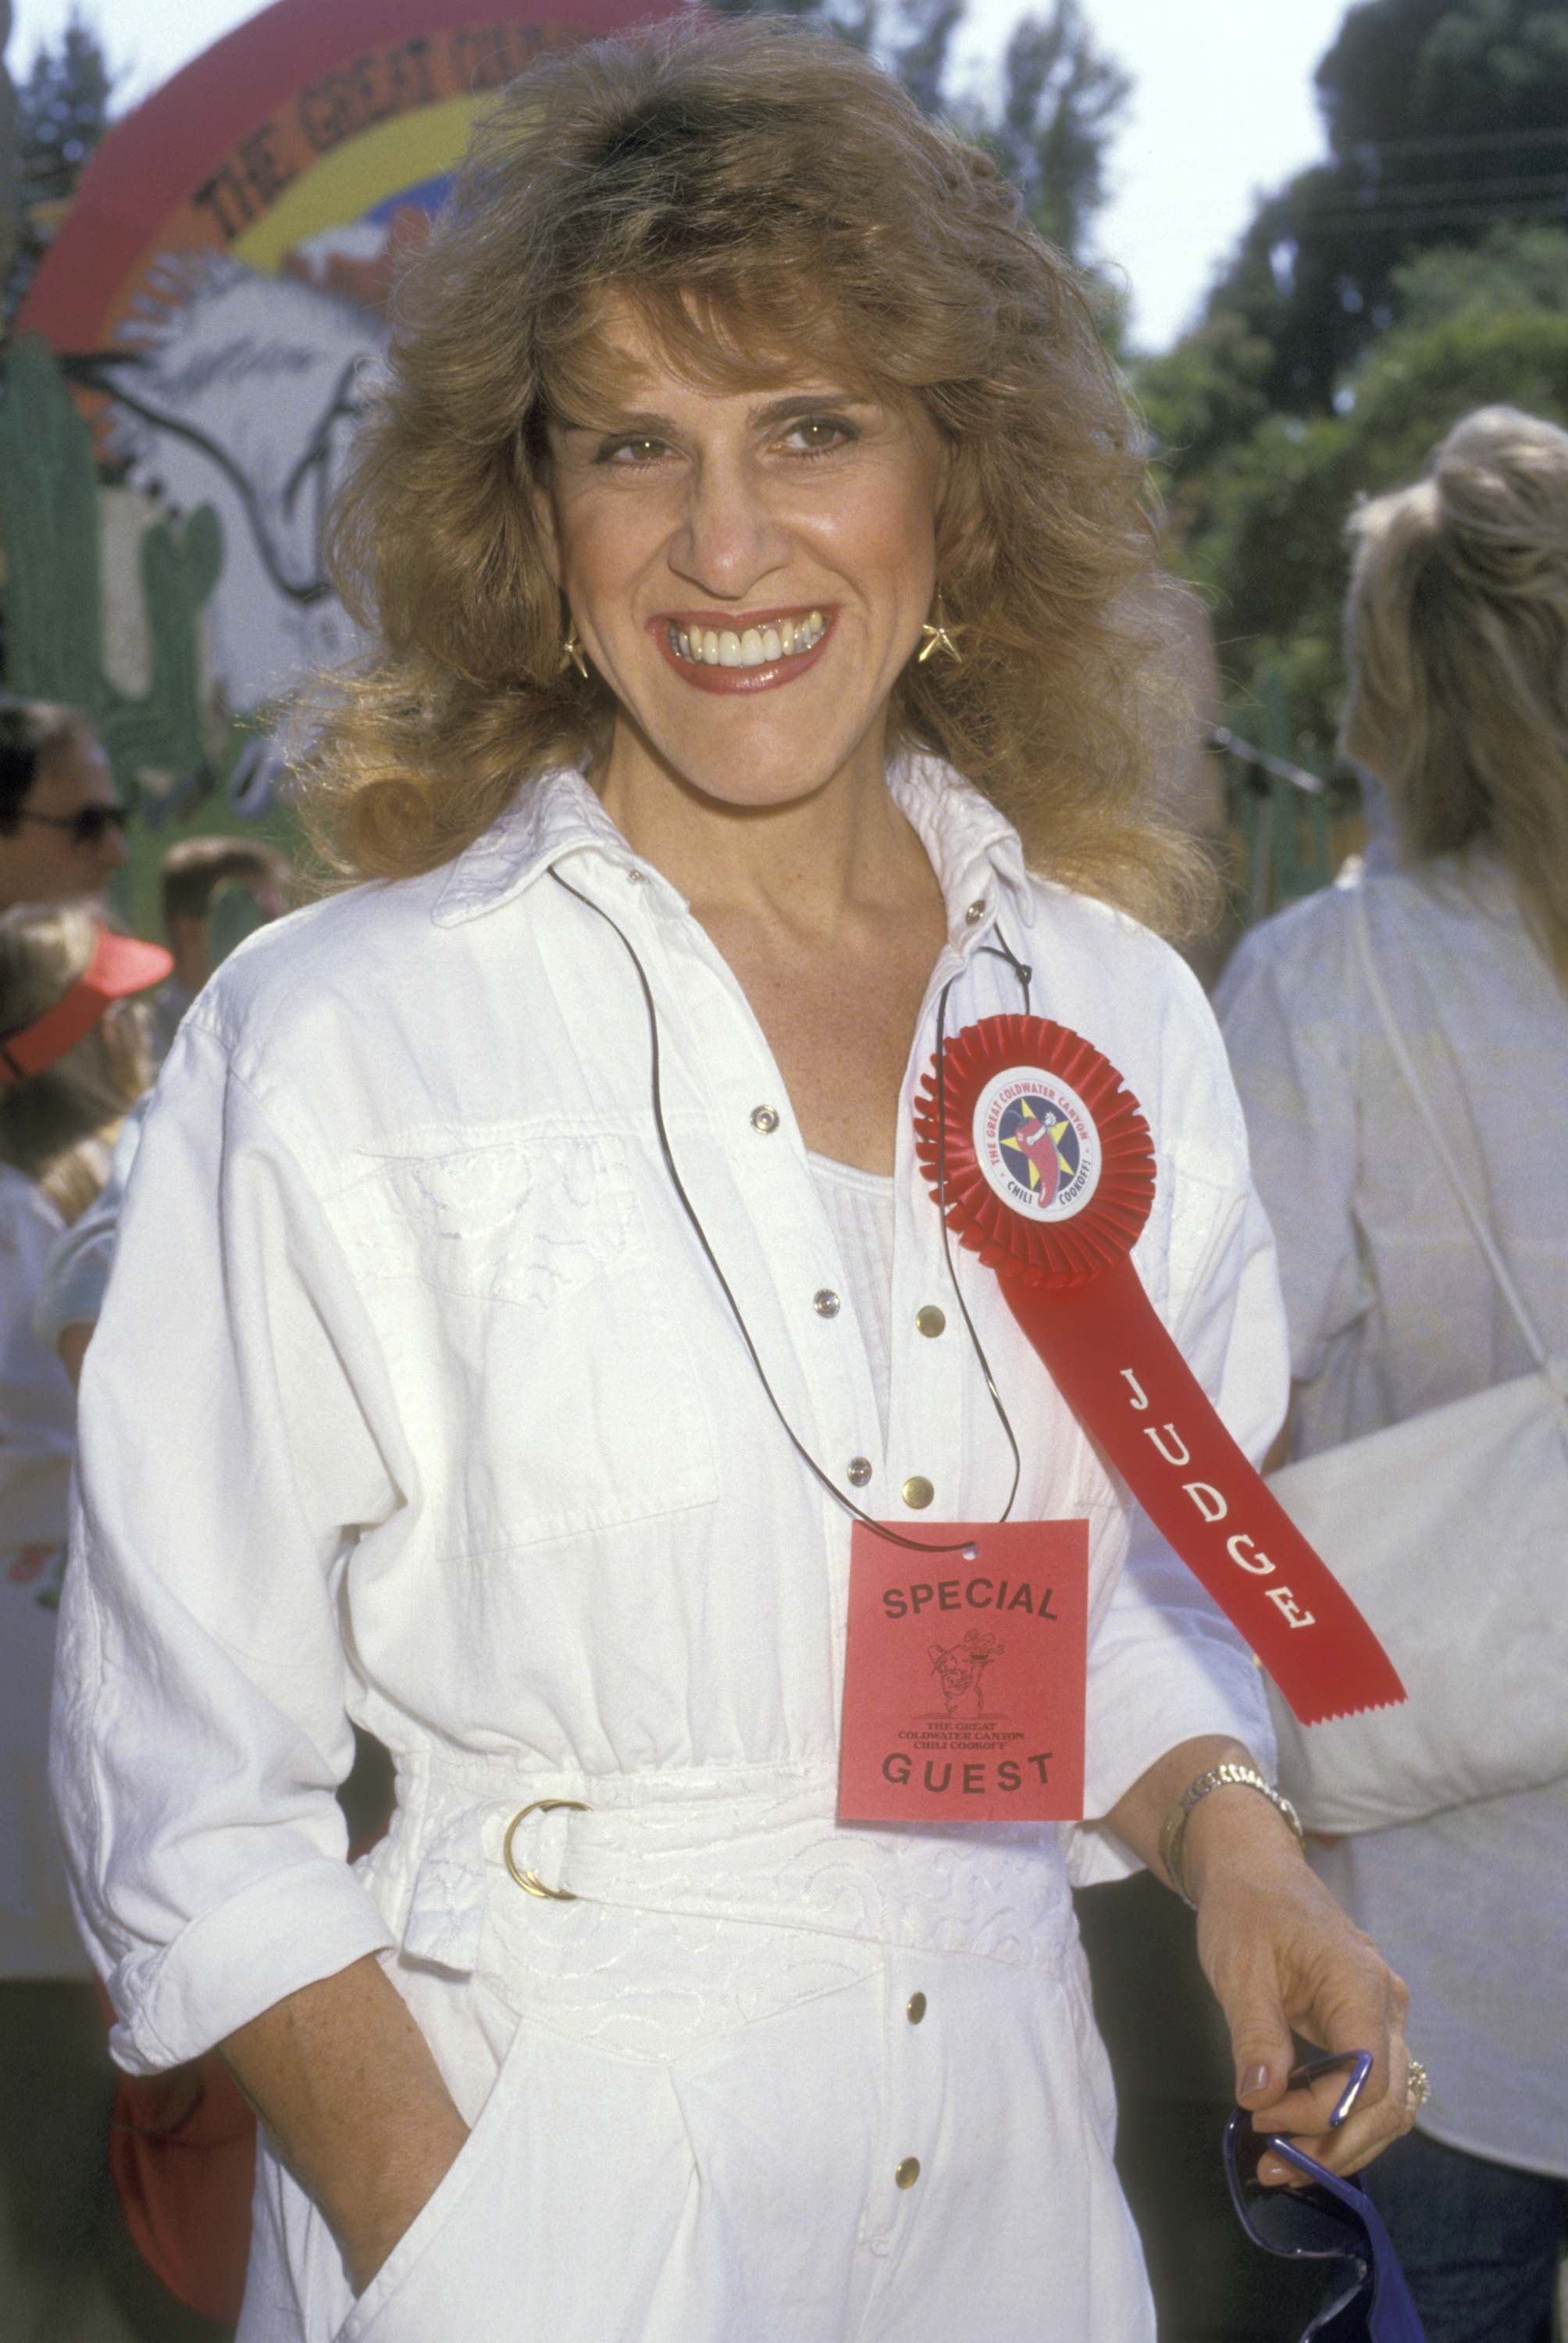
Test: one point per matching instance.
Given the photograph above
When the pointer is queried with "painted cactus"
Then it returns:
(49, 518)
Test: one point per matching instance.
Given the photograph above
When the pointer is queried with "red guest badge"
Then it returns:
(964, 1674)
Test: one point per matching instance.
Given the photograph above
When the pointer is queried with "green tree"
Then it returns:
(1061, 97)
(62, 112)
(63, 109)
(921, 50)
(1060, 100)
(1444, 118)
(1266, 515)
(854, 21)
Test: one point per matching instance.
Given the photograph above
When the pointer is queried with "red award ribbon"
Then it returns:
(1049, 1171)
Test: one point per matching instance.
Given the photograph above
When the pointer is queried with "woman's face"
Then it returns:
(748, 571)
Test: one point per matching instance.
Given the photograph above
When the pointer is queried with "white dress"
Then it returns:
(460, 1438)
(1393, 1311)
(37, 1431)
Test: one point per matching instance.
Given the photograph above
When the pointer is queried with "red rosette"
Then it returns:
(1049, 1181)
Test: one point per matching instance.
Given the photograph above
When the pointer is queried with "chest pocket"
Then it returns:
(538, 1351)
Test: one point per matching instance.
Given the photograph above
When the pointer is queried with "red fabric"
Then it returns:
(119, 965)
(184, 2188)
(182, 2156)
(1065, 1271)
(1129, 1387)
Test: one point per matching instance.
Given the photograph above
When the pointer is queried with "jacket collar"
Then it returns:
(975, 851)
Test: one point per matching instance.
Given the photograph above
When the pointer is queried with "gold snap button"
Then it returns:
(916, 2008)
(764, 1117)
(908, 2172)
(917, 1491)
(931, 1320)
(859, 1472)
(825, 1302)
(976, 911)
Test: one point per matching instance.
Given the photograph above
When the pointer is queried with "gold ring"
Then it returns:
(1417, 2087)
(529, 1880)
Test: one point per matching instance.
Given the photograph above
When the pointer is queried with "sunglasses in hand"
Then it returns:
(1331, 2220)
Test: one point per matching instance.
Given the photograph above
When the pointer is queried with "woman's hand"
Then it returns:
(355, 2105)
(1280, 1953)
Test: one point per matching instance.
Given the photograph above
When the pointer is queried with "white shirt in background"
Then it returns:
(1393, 1311)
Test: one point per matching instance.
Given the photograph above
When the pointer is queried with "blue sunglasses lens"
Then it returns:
(1302, 2221)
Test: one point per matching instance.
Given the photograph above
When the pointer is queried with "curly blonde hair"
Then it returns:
(59, 1126)
(765, 199)
(1456, 639)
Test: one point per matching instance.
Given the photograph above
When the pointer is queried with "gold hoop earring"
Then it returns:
(936, 635)
(572, 652)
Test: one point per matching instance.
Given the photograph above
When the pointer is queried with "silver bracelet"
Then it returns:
(1174, 1828)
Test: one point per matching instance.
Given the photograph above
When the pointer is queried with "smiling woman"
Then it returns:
(752, 529)
(816, 249)
(808, 518)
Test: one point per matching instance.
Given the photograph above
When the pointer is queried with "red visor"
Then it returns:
(120, 965)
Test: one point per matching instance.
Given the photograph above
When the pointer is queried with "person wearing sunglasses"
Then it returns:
(62, 825)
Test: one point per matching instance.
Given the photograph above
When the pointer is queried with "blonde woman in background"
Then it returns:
(1457, 636)
(73, 1059)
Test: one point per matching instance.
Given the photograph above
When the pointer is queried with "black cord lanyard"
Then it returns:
(894, 1537)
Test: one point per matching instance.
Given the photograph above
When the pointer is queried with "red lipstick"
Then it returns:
(704, 676)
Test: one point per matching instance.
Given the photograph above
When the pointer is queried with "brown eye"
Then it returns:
(816, 433)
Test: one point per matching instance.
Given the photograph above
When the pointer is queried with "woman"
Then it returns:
(729, 387)
(1457, 636)
(73, 1058)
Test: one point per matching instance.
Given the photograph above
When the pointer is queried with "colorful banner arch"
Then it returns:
(322, 112)
(208, 302)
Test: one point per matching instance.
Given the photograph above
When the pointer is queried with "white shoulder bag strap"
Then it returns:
(1555, 1369)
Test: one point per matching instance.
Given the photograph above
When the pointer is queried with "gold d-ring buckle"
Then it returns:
(529, 1880)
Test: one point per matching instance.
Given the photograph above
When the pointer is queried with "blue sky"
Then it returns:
(1223, 108)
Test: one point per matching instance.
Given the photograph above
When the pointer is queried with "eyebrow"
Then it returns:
(786, 410)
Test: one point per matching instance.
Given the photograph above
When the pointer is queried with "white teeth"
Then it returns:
(757, 646)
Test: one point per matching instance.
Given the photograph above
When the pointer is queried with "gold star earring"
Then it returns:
(936, 635)
(572, 652)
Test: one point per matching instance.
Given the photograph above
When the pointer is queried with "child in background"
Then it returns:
(74, 1059)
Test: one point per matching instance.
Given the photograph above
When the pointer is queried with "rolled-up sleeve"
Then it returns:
(237, 1436)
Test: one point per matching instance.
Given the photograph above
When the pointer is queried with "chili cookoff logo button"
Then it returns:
(1036, 1143)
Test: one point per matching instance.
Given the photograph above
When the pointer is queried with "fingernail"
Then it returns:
(1256, 2078)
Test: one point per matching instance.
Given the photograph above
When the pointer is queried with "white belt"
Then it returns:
(759, 1848)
